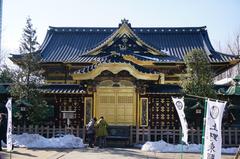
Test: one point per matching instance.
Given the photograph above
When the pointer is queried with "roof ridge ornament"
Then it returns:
(124, 21)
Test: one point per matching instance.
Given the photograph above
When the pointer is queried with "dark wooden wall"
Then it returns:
(69, 103)
(161, 111)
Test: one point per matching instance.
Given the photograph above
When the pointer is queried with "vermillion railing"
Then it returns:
(230, 136)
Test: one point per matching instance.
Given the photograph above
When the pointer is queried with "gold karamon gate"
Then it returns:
(116, 104)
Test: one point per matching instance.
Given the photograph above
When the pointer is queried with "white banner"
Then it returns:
(9, 126)
(179, 105)
(213, 135)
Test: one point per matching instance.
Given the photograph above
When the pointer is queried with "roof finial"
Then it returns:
(124, 21)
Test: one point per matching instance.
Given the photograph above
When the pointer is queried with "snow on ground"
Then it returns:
(162, 146)
(224, 81)
(38, 141)
(70, 141)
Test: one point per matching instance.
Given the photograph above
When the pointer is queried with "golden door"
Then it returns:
(117, 105)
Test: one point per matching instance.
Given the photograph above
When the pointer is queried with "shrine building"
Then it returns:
(126, 74)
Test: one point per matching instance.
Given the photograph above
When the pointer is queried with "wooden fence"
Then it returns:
(50, 131)
(230, 136)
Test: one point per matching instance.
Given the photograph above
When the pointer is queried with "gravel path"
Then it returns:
(95, 153)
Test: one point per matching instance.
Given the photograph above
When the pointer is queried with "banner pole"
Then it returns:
(200, 97)
(203, 129)
(181, 144)
(10, 154)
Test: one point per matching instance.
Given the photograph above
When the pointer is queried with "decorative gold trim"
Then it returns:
(172, 82)
(121, 83)
(115, 68)
(124, 30)
(234, 62)
(85, 108)
(162, 78)
(141, 111)
(135, 60)
(138, 110)
(165, 66)
(175, 75)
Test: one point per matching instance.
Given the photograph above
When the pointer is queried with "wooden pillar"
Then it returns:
(131, 135)
(149, 133)
(155, 133)
(137, 134)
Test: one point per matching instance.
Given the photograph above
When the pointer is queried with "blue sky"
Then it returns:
(222, 17)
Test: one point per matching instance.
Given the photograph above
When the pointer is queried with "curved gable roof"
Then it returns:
(64, 44)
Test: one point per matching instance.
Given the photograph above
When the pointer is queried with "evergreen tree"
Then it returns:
(29, 78)
(199, 78)
(6, 74)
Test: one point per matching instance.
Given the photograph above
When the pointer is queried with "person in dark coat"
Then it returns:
(91, 132)
(3, 129)
(102, 133)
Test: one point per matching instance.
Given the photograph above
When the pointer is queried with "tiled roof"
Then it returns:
(62, 89)
(69, 44)
(63, 45)
(18, 58)
(51, 88)
(114, 59)
(142, 57)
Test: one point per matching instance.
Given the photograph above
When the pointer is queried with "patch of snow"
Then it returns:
(224, 81)
(38, 141)
(162, 146)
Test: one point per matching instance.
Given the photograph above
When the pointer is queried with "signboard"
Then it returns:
(9, 125)
(179, 105)
(213, 136)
